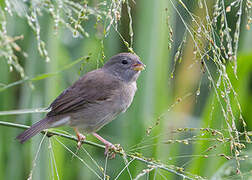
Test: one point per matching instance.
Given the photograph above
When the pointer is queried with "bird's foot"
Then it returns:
(80, 138)
(110, 149)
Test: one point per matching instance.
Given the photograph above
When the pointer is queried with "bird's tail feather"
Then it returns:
(34, 129)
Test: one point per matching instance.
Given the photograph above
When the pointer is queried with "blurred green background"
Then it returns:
(178, 114)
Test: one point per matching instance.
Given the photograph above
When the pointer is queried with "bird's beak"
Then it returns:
(138, 66)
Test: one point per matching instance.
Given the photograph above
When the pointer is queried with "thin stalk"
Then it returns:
(120, 151)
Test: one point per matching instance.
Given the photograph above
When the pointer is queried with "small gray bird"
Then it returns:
(94, 100)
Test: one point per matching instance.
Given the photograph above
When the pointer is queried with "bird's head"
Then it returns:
(125, 66)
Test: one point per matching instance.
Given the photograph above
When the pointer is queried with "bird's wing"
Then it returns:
(93, 87)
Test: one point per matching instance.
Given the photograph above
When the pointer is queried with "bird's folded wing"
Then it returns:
(94, 87)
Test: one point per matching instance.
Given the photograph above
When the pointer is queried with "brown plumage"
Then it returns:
(95, 99)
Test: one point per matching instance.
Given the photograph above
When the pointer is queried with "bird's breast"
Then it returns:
(126, 96)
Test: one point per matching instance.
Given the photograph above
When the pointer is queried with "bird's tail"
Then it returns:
(34, 129)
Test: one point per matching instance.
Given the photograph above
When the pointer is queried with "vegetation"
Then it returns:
(191, 116)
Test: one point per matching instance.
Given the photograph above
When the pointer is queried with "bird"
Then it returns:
(94, 100)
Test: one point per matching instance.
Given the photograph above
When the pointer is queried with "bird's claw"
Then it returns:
(110, 150)
(80, 138)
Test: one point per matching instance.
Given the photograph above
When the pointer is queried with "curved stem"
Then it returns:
(175, 170)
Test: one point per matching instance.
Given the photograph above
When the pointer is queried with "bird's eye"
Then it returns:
(124, 62)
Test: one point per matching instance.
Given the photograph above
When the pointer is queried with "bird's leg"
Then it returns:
(80, 137)
(108, 145)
